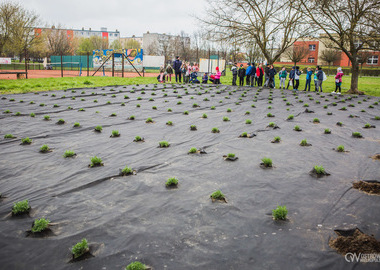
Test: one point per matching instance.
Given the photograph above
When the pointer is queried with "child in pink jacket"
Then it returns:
(217, 76)
(338, 81)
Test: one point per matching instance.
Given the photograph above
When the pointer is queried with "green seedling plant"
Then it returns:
(270, 115)
(127, 171)
(368, 125)
(340, 148)
(163, 144)
(20, 207)
(280, 213)
(169, 123)
(95, 161)
(316, 120)
(32, 115)
(9, 136)
(193, 150)
(115, 133)
(291, 117)
(26, 140)
(40, 225)
(46, 117)
(357, 135)
(61, 121)
(229, 110)
(138, 139)
(327, 131)
(304, 142)
(319, 170)
(172, 182)
(204, 115)
(69, 153)
(248, 121)
(193, 127)
(98, 128)
(45, 148)
(80, 248)
(276, 139)
(76, 124)
(215, 130)
(244, 135)
(218, 195)
(225, 119)
(149, 120)
(272, 124)
(267, 162)
(186, 112)
(135, 266)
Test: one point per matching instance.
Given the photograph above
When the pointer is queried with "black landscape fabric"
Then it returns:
(135, 217)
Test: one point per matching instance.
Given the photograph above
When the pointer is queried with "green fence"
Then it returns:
(72, 61)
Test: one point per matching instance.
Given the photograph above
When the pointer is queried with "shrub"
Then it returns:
(76, 124)
(340, 148)
(193, 150)
(319, 169)
(138, 139)
(98, 128)
(126, 171)
(304, 142)
(44, 148)
(149, 120)
(267, 162)
(316, 120)
(291, 117)
(20, 207)
(217, 195)
(135, 266)
(80, 248)
(280, 213)
(356, 134)
(40, 225)
(26, 140)
(248, 121)
(9, 136)
(95, 161)
(193, 127)
(271, 124)
(60, 121)
(327, 131)
(226, 119)
(115, 133)
(215, 130)
(164, 144)
(172, 182)
(277, 139)
(69, 153)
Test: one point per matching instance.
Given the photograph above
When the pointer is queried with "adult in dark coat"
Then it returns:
(177, 69)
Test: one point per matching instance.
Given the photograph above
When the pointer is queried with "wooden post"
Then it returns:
(122, 65)
(61, 66)
(26, 64)
(113, 64)
(208, 67)
(88, 64)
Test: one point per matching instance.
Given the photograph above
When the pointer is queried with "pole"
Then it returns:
(61, 66)
(122, 65)
(26, 64)
(208, 60)
(88, 64)
(113, 64)
(218, 58)
(143, 71)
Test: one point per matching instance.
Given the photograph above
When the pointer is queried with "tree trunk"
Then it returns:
(355, 79)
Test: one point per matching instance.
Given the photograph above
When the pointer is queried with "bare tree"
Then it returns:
(166, 48)
(296, 53)
(8, 13)
(329, 56)
(351, 25)
(99, 43)
(274, 25)
(58, 42)
(184, 45)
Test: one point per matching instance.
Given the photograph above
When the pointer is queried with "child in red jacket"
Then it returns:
(338, 81)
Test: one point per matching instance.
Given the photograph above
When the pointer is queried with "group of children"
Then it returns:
(254, 77)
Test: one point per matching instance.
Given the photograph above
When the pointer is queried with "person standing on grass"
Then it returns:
(297, 75)
(316, 79)
(272, 72)
(338, 81)
(291, 77)
(266, 75)
(260, 74)
(241, 75)
(253, 73)
(248, 74)
(234, 73)
(169, 71)
(308, 78)
(320, 78)
(282, 75)
(177, 69)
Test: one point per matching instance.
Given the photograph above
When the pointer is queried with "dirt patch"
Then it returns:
(354, 241)
(370, 187)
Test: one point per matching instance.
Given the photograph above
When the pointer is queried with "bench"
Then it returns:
(18, 73)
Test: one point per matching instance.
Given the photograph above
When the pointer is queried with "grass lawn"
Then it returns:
(370, 85)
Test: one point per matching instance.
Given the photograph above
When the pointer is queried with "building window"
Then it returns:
(312, 47)
(373, 60)
(311, 60)
(358, 43)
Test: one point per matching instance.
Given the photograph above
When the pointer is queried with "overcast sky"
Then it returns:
(129, 17)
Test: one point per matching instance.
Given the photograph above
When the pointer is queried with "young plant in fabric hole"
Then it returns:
(98, 128)
(80, 248)
(163, 144)
(172, 182)
(218, 195)
(69, 153)
(40, 225)
(280, 213)
(193, 150)
(115, 133)
(266, 162)
(95, 162)
(26, 140)
(45, 148)
(126, 171)
(20, 207)
(136, 266)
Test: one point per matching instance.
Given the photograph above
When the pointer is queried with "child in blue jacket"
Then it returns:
(309, 73)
